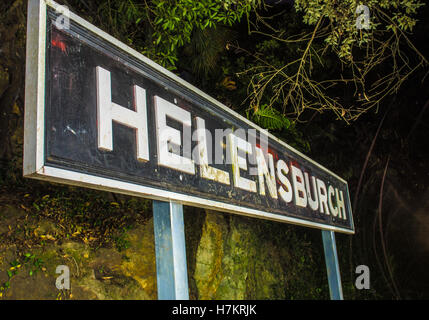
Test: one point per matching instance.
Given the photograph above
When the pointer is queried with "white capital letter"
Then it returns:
(270, 175)
(340, 203)
(108, 111)
(299, 187)
(323, 197)
(200, 155)
(332, 208)
(314, 203)
(282, 171)
(169, 138)
(235, 144)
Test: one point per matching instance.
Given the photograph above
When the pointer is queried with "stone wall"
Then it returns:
(229, 257)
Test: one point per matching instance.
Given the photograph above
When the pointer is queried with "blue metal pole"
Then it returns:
(332, 266)
(170, 249)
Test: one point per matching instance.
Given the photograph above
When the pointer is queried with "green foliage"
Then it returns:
(330, 63)
(121, 241)
(159, 28)
(343, 34)
(92, 217)
(28, 261)
(270, 118)
(203, 51)
(175, 22)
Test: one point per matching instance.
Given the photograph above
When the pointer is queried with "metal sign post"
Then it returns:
(170, 249)
(332, 266)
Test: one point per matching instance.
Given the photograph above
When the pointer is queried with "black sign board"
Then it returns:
(100, 115)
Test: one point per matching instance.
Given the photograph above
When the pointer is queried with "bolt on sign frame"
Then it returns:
(98, 114)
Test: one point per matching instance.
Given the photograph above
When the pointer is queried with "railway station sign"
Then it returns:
(98, 114)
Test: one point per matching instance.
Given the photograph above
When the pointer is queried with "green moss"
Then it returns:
(242, 258)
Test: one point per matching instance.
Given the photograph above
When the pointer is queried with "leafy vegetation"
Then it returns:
(92, 217)
(308, 81)
(27, 262)
(160, 28)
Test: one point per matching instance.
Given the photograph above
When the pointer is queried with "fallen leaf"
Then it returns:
(49, 237)
(15, 110)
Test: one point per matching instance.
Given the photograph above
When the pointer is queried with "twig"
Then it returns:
(380, 225)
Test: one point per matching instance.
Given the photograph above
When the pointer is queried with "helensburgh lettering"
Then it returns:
(278, 179)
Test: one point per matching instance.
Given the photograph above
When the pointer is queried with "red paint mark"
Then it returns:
(295, 164)
(59, 44)
(272, 151)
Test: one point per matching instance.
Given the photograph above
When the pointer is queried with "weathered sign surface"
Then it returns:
(100, 115)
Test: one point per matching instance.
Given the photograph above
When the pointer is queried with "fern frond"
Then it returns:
(270, 118)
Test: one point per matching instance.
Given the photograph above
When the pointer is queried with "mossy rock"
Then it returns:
(103, 273)
(232, 262)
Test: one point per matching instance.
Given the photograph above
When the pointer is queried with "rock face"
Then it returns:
(231, 263)
(229, 257)
(104, 273)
